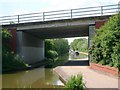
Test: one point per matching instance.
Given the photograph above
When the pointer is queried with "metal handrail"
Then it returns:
(61, 14)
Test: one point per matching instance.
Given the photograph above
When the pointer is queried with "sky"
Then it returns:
(17, 7)
(72, 39)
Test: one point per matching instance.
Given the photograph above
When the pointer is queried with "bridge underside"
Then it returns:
(31, 36)
(31, 42)
(60, 32)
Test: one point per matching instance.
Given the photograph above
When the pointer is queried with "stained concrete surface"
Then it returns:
(92, 79)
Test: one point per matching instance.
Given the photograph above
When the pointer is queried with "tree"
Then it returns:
(50, 49)
(80, 44)
(61, 46)
(56, 47)
(106, 43)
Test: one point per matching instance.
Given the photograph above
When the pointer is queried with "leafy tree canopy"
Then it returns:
(106, 43)
(55, 47)
(80, 44)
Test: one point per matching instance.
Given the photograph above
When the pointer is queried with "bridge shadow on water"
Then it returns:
(76, 63)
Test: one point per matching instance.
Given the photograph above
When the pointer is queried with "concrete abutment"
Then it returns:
(29, 47)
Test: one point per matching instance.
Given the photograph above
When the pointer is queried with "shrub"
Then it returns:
(106, 43)
(6, 35)
(10, 61)
(76, 83)
(61, 46)
(56, 46)
(51, 54)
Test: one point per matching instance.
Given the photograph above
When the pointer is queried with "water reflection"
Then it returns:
(37, 78)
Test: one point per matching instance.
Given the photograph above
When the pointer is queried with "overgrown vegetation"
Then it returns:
(76, 83)
(50, 49)
(60, 60)
(61, 46)
(55, 47)
(106, 43)
(10, 61)
(80, 44)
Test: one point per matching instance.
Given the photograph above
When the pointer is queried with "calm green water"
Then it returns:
(36, 78)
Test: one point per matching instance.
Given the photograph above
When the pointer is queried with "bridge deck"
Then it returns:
(61, 14)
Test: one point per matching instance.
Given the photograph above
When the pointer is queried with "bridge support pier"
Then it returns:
(91, 34)
(29, 47)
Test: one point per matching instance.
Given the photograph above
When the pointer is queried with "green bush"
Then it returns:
(52, 54)
(76, 83)
(61, 46)
(49, 45)
(6, 35)
(55, 47)
(106, 43)
(10, 61)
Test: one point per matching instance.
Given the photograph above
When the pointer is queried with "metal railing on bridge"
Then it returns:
(61, 14)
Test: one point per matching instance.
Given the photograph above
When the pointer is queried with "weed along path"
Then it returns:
(91, 78)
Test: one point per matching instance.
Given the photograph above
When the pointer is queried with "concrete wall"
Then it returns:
(30, 48)
(91, 34)
(92, 29)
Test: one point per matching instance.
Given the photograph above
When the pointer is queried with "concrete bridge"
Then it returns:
(30, 30)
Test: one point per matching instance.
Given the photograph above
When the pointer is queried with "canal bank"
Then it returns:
(38, 75)
(92, 79)
(28, 67)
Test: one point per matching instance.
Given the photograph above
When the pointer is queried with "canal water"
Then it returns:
(37, 78)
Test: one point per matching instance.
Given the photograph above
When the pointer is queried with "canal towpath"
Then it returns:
(83, 53)
(91, 78)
